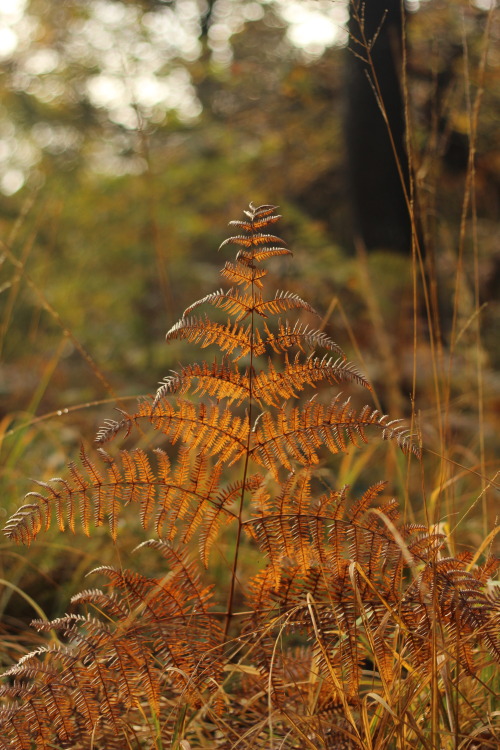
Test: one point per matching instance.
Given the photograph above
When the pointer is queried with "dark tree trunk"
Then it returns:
(380, 212)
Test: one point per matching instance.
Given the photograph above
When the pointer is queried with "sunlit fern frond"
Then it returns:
(241, 306)
(111, 673)
(348, 580)
(214, 429)
(165, 496)
(216, 380)
(268, 386)
(282, 302)
(227, 337)
(292, 524)
(299, 335)
(298, 525)
(260, 254)
(349, 595)
(298, 434)
(260, 213)
(217, 514)
(258, 219)
(252, 239)
(241, 274)
(272, 387)
(464, 606)
(232, 302)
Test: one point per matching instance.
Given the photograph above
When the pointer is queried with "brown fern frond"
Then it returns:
(231, 302)
(111, 603)
(217, 380)
(190, 488)
(271, 386)
(464, 605)
(372, 602)
(297, 526)
(145, 597)
(282, 302)
(258, 220)
(260, 212)
(215, 515)
(157, 491)
(251, 239)
(487, 570)
(426, 546)
(301, 523)
(352, 612)
(211, 429)
(311, 601)
(301, 336)
(240, 306)
(187, 579)
(259, 254)
(70, 687)
(203, 428)
(360, 507)
(227, 337)
(297, 435)
(241, 274)
(110, 675)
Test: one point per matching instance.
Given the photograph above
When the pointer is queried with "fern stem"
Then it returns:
(229, 610)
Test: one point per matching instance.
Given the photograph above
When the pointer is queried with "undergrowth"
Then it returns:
(341, 624)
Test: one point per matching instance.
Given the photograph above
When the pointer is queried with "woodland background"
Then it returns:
(132, 132)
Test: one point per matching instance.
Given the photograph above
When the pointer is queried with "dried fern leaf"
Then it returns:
(357, 615)
(288, 527)
(360, 507)
(111, 603)
(335, 574)
(213, 429)
(252, 239)
(301, 336)
(241, 274)
(231, 302)
(263, 253)
(464, 607)
(260, 211)
(215, 515)
(101, 684)
(295, 525)
(158, 492)
(256, 223)
(282, 302)
(216, 380)
(227, 337)
(188, 496)
(75, 683)
(312, 601)
(197, 597)
(296, 436)
(271, 386)
(25, 524)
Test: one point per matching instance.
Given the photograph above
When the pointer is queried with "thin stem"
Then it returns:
(229, 611)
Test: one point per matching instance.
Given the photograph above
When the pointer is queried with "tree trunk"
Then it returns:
(379, 208)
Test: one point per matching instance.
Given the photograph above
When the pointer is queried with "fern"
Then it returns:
(342, 582)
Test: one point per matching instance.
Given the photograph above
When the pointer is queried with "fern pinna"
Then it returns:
(340, 620)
